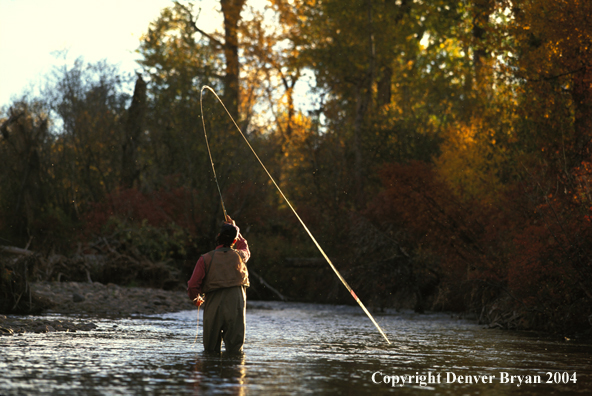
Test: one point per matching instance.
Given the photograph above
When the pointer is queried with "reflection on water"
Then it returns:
(224, 374)
(294, 349)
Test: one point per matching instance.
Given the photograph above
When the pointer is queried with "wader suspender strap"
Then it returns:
(207, 266)
(210, 266)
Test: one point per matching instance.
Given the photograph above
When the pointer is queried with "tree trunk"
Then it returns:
(133, 133)
(231, 10)
(363, 102)
(582, 98)
(482, 9)
(384, 91)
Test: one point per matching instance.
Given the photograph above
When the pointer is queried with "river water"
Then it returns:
(295, 349)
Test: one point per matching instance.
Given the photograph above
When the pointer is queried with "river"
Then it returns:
(295, 349)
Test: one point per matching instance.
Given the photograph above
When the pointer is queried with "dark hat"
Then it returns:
(228, 233)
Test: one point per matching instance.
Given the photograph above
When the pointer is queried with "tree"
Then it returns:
(390, 77)
(24, 144)
(134, 129)
(554, 60)
(89, 100)
(272, 66)
(231, 10)
(177, 63)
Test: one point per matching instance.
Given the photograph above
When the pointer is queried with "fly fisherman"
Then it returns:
(222, 275)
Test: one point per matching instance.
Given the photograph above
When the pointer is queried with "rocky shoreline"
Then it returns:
(16, 325)
(96, 298)
(92, 299)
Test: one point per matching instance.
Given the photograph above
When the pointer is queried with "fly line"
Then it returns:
(347, 286)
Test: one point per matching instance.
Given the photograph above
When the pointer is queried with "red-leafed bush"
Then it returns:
(156, 208)
(521, 262)
(161, 224)
(551, 270)
(455, 231)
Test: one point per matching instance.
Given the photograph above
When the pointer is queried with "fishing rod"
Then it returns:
(347, 286)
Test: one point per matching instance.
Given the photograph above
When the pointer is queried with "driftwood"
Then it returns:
(305, 262)
(105, 260)
(14, 283)
(19, 279)
(267, 285)
(16, 250)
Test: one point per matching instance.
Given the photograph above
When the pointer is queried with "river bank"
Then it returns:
(92, 299)
(98, 299)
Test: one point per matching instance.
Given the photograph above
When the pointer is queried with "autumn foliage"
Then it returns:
(532, 256)
(155, 208)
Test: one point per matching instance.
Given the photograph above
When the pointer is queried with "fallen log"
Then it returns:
(264, 283)
(305, 262)
(16, 250)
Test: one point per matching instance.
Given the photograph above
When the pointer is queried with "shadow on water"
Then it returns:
(294, 349)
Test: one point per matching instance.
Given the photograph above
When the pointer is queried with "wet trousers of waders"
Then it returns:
(224, 319)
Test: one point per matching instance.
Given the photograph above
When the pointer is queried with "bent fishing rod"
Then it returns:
(347, 286)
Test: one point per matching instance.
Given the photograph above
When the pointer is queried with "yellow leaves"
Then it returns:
(471, 162)
(555, 35)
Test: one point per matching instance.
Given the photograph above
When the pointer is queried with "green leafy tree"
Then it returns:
(178, 59)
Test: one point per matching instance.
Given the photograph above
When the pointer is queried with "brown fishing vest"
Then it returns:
(224, 268)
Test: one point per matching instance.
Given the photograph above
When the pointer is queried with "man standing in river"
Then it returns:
(222, 275)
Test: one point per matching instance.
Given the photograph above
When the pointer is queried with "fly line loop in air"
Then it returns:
(347, 286)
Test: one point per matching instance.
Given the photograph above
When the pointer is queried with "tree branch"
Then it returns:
(11, 120)
(193, 24)
(16, 250)
(555, 77)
